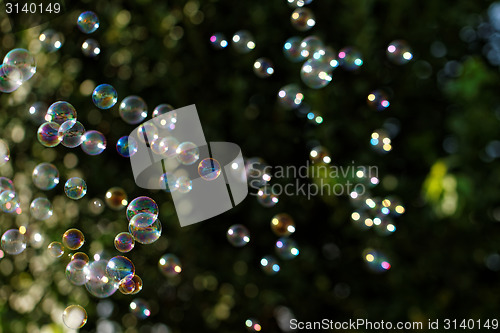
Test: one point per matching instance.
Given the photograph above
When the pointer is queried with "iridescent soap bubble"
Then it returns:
(11, 78)
(73, 239)
(291, 49)
(209, 169)
(9, 202)
(238, 235)
(100, 284)
(127, 287)
(4, 152)
(96, 206)
(116, 198)
(303, 19)
(88, 22)
(75, 188)
(126, 146)
(23, 60)
(269, 265)
(138, 284)
(326, 55)
(41, 208)
(124, 242)
(146, 235)
(263, 67)
(13, 242)
(170, 265)
(393, 206)
(45, 176)
(218, 41)
(380, 141)
(37, 112)
(120, 269)
(298, 3)
(172, 145)
(282, 224)
(350, 58)
(290, 96)
(142, 205)
(383, 225)
(6, 184)
(159, 146)
(104, 96)
(77, 272)
(376, 260)
(187, 153)
(243, 41)
(316, 74)
(309, 45)
(93, 142)
(378, 100)
(61, 111)
(55, 249)
(399, 52)
(253, 325)
(361, 219)
(80, 256)
(71, 132)
(147, 132)
(48, 134)
(167, 182)
(51, 40)
(91, 48)
(286, 248)
(167, 121)
(140, 308)
(74, 317)
(183, 184)
(133, 110)
(142, 220)
(320, 154)
(266, 197)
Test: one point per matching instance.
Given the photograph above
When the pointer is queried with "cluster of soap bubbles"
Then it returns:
(88, 23)
(45, 176)
(18, 66)
(9, 201)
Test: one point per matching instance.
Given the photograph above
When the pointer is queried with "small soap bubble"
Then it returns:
(9, 202)
(104, 96)
(243, 41)
(23, 60)
(126, 146)
(238, 235)
(93, 142)
(73, 239)
(376, 261)
(266, 197)
(316, 74)
(170, 265)
(59, 112)
(380, 141)
(166, 121)
(75, 188)
(37, 112)
(48, 134)
(45, 176)
(142, 220)
(350, 58)
(282, 224)
(41, 208)
(147, 132)
(100, 284)
(96, 206)
(140, 308)
(290, 96)
(4, 152)
(183, 184)
(253, 325)
(91, 48)
(257, 171)
(310, 45)
(326, 55)
(218, 41)
(142, 205)
(263, 67)
(146, 235)
(124, 242)
(399, 52)
(269, 265)
(120, 269)
(159, 146)
(172, 144)
(303, 19)
(378, 100)
(74, 317)
(77, 272)
(319, 155)
(88, 22)
(71, 132)
(133, 110)
(286, 248)
(6, 184)
(13, 242)
(80, 256)
(138, 284)
(292, 49)
(127, 287)
(51, 40)
(116, 198)
(11, 78)
(55, 249)
(187, 153)
(209, 169)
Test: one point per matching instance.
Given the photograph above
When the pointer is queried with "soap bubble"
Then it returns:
(376, 261)
(377, 100)
(298, 3)
(96, 206)
(290, 96)
(187, 153)
(263, 67)
(37, 112)
(88, 22)
(120, 269)
(48, 134)
(140, 308)
(257, 171)
(316, 74)
(147, 131)
(55, 249)
(77, 272)
(269, 265)
(9, 202)
(350, 58)
(218, 41)
(11, 78)
(169, 265)
(75, 188)
(51, 40)
(142, 205)
(146, 235)
(166, 121)
(243, 41)
(127, 287)
(172, 145)
(91, 48)
(71, 132)
(183, 184)
(320, 154)
(209, 169)
(124, 242)
(286, 248)
(13, 242)
(253, 325)
(23, 60)
(326, 55)
(167, 182)
(93, 142)
(104, 96)
(73, 239)
(133, 110)
(6, 184)
(116, 198)
(291, 49)
(380, 141)
(399, 52)
(238, 235)
(303, 19)
(142, 220)
(266, 197)
(80, 256)
(282, 224)
(100, 284)
(41, 208)
(138, 284)
(45, 176)
(126, 146)
(159, 146)
(61, 111)
(74, 317)
(4, 152)
(310, 45)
